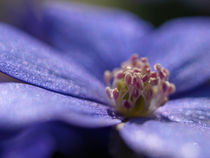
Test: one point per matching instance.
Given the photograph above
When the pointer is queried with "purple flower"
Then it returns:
(55, 94)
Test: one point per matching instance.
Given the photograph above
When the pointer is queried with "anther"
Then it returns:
(171, 89)
(149, 94)
(120, 75)
(137, 70)
(153, 82)
(134, 58)
(107, 77)
(165, 86)
(145, 78)
(136, 93)
(144, 60)
(157, 67)
(153, 75)
(128, 79)
(115, 94)
(108, 92)
(127, 104)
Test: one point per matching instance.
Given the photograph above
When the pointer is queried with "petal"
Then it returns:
(183, 125)
(46, 139)
(29, 143)
(182, 46)
(202, 91)
(98, 38)
(28, 60)
(22, 13)
(23, 104)
(188, 110)
(166, 139)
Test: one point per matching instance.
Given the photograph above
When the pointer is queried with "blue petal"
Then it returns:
(28, 60)
(22, 13)
(98, 38)
(23, 104)
(183, 125)
(166, 139)
(188, 110)
(201, 91)
(30, 143)
(182, 46)
(43, 140)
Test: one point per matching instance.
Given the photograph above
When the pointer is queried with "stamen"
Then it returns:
(145, 78)
(115, 93)
(144, 60)
(153, 75)
(120, 75)
(157, 67)
(136, 93)
(136, 89)
(128, 79)
(107, 77)
(127, 104)
(134, 59)
(108, 92)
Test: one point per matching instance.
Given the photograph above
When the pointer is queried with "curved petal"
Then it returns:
(188, 110)
(183, 126)
(201, 91)
(41, 140)
(23, 104)
(98, 38)
(22, 13)
(55, 138)
(28, 60)
(182, 46)
(29, 144)
(166, 139)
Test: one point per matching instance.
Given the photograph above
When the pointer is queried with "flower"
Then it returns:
(66, 83)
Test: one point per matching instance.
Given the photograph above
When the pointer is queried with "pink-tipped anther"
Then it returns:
(157, 67)
(128, 79)
(115, 94)
(153, 74)
(137, 90)
(134, 59)
(144, 60)
(120, 75)
(145, 78)
(136, 82)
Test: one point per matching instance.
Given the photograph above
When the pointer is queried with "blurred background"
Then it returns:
(154, 11)
(157, 11)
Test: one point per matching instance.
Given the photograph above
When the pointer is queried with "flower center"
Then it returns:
(136, 90)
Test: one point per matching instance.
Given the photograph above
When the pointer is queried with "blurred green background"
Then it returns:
(157, 11)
